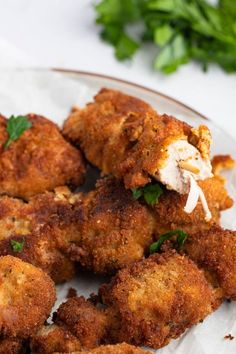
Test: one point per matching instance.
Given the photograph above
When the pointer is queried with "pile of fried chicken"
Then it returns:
(159, 287)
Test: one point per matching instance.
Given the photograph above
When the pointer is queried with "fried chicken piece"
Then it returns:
(104, 229)
(122, 348)
(38, 227)
(124, 136)
(79, 324)
(156, 300)
(215, 252)
(50, 339)
(170, 215)
(27, 295)
(12, 346)
(40, 159)
(83, 320)
(115, 231)
(222, 162)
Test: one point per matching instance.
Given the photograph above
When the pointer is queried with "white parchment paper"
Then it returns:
(53, 94)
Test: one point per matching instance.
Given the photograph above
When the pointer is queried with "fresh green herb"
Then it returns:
(151, 193)
(137, 193)
(17, 246)
(16, 127)
(114, 14)
(181, 30)
(181, 238)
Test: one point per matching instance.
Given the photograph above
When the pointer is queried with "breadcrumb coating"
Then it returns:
(124, 136)
(78, 325)
(115, 230)
(170, 214)
(27, 295)
(104, 230)
(122, 348)
(83, 319)
(53, 338)
(12, 346)
(215, 252)
(38, 226)
(156, 300)
(222, 162)
(39, 160)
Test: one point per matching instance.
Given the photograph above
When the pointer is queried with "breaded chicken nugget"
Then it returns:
(32, 231)
(115, 230)
(124, 136)
(215, 251)
(27, 297)
(222, 162)
(83, 320)
(157, 299)
(79, 324)
(52, 338)
(122, 348)
(170, 215)
(40, 159)
(12, 346)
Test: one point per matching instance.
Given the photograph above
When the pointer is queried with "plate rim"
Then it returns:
(130, 83)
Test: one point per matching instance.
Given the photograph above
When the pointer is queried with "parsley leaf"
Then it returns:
(125, 47)
(16, 127)
(180, 30)
(181, 238)
(114, 15)
(137, 193)
(172, 55)
(17, 246)
(151, 193)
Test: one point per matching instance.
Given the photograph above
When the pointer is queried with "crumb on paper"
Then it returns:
(222, 162)
(71, 293)
(229, 336)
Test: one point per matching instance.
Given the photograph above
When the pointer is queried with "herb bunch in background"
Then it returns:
(182, 30)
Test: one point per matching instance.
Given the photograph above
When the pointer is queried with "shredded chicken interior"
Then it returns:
(195, 193)
(184, 166)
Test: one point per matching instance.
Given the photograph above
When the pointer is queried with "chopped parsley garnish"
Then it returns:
(180, 239)
(16, 127)
(151, 193)
(17, 246)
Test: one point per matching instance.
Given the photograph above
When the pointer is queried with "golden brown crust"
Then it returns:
(53, 338)
(157, 299)
(83, 320)
(40, 159)
(27, 295)
(215, 252)
(104, 229)
(201, 138)
(115, 231)
(222, 162)
(40, 225)
(122, 348)
(124, 136)
(170, 214)
(12, 346)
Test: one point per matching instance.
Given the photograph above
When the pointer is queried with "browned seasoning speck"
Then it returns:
(229, 336)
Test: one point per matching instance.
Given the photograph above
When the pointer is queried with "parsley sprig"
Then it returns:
(16, 127)
(181, 30)
(180, 239)
(17, 246)
(151, 193)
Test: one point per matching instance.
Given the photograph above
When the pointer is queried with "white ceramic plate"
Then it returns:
(52, 93)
